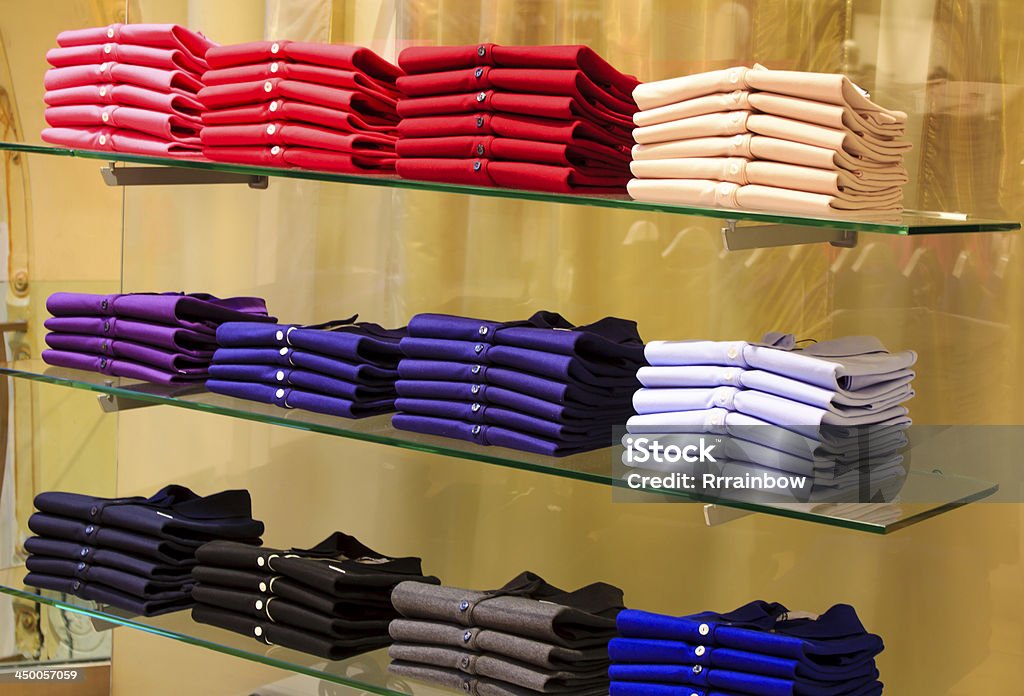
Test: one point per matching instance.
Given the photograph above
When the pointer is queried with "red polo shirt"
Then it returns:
(296, 111)
(584, 155)
(299, 135)
(512, 126)
(303, 158)
(340, 56)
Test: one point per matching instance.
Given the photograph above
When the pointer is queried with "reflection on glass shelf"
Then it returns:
(366, 671)
(921, 494)
(909, 223)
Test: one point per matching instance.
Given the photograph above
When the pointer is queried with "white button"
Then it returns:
(279, 393)
(704, 629)
(274, 48)
(261, 561)
(737, 117)
(274, 105)
(734, 76)
(271, 129)
(103, 91)
(725, 188)
(274, 67)
(276, 150)
(107, 48)
(716, 420)
(259, 604)
(267, 86)
(279, 335)
(283, 351)
(736, 96)
(103, 67)
(733, 352)
(258, 631)
(105, 116)
(728, 375)
(734, 169)
(280, 375)
(700, 650)
(110, 32)
(103, 140)
(263, 587)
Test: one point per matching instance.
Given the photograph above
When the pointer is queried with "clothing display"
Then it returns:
(126, 88)
(760, 649)
(770, 140)
(327, 600)
(342, 368)
(541, 385)
(132, 553)
(163, 338)
(526, 637)
(548, 118)
(328, 107)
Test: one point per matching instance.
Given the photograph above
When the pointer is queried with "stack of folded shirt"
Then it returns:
(343, 368)
(526, 638)
(540, 385)
(550, 118)
(759, 649)
(774, 140)
(293, 104)
(132, 553)
(329, 600)
(162, 338)
(127, 88)
(819, 408)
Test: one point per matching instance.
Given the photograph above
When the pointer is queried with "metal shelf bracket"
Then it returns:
(119, 175)
(738, 238)
(715, 515)
(112, 403)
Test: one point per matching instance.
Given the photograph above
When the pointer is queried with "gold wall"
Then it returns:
(944, 594)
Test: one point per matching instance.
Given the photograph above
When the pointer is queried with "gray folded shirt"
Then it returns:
(483, 640)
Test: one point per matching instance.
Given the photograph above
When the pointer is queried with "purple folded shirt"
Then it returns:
(303, 379)
(120, 368)
(359, 343)
(286, 397)
(193, 311)
(98, 592)
(482, 434)
(515, 400)
(129, 350)
(179, 340)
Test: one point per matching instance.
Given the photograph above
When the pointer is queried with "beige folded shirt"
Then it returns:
(822, 87)
(806, 110)
(738, 122)
(723, 194)
(762, 147)
(739, 170)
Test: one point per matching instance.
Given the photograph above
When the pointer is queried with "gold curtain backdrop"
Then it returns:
(944, 594)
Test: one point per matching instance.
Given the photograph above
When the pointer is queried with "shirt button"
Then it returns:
(104, 304)
(476, 369)
(271, 129)
(483, 330)
(267, 86)
(104, 66)
(465, 685)
(467, 636)
(261, 561)
(283, 351)
(279, 393)
(110, 32)
(474, 408)
(475, 389)
(81, 566)
(77, 585)
(464, 662)
(481, 96)
(274, 106)
(103, 91)
(106, 326)
(734, 76)
(476, 429)
(737, 140)
(704, 629)
(105, 116)
(276, 150)
(263, 587)
(83, 552)
(258, 631)
(94, 510)
(479, 121)
(103, 140)
(478, 72)
(274, 67)
(478, 348)
(274, 48)
(700, 650)
(476, 166)
(103, 362)
(463, 605)
(733, 352)
(480, 149)
(90, 529)
(105, 346)
(734, 169)
(107, 48)
(697, 669)
(259, 605)
(279, 335)
(482, 51)
(728, 375)
(280, 375)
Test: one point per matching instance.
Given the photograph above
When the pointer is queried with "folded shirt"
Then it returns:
(480, 686)
(270, 633)
(174, 512)
(166, 81)
(104, 594)
(111, 558)
(482, 640)
(188, 341)
(526, 606)
(324, 364)
(741, 682)
(195, 311)
(301, 379)
(136, 352)
(126, 95)
(821, 87)
(336, 566)
(292, 111)
(313, 159)
(298, 135)
(519, 175)
(303, 72)
(168, 36)
(584, 155)
(432, 59)
(496, 667)
(564, 108)
(338, 56)
(512, 126)
(246, 93)
(171, 127)
(304, 399)
(624, 688)
(655, 401)
(119, 140)
(357, 342)
(128, 54)
(120, 367)
(492, 435)
(128, 583)
(91, 535)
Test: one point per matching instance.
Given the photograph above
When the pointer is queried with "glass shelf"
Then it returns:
(922, 495)
(366, 671)
(910, 223)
